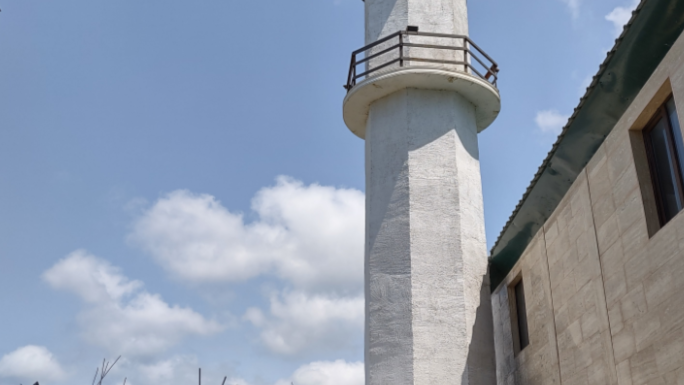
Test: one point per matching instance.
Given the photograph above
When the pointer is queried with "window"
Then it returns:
(665, 152)
(519, 316)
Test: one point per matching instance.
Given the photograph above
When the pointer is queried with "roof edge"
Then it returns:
(643, 43)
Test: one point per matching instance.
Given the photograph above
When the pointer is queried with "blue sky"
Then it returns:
(177, 184)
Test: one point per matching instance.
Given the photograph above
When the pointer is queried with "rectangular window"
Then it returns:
(665, 151)
(519, 317)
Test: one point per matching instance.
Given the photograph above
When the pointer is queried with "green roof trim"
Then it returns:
(646, 39)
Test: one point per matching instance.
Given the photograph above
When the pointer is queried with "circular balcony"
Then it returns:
(412, 59)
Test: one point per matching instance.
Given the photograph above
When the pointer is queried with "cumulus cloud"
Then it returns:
(620, 16)
(299, 322)
(551, 121)
(119, 315)
(573, 7)
(32, 363)
(327, 373)
(310, 236)
(91, 278)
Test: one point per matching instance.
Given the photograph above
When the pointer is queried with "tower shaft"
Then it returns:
(427, 315)
(428, 320)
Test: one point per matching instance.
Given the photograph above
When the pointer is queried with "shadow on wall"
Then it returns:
(481, 365)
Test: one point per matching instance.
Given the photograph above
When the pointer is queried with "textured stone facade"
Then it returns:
(603, 283)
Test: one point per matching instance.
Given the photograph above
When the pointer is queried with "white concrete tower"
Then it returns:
(420, 101)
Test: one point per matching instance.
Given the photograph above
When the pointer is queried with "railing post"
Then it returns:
(465, 55)
(354, 70)
(350, 75)
(401, 49)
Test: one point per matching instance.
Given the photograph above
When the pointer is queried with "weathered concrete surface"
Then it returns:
(384, 17)
(428, 319)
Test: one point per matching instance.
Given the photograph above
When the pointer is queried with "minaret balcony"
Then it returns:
(423, 60)
(412, 48)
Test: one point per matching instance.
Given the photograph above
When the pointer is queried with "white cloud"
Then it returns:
(620, 16)
(310, 236)
(32, 363)
(328, 373)
(299, 322)
(573, 7)
(91, 278)
(119, 315)
(177, 369)
(551, 121)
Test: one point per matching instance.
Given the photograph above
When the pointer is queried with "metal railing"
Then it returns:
(486, 64)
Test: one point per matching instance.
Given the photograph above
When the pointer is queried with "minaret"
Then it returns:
(419, 93)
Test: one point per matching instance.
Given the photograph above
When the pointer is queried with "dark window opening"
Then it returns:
(519, 318)
(665, 149)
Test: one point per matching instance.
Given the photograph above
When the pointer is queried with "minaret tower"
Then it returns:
(419, 93)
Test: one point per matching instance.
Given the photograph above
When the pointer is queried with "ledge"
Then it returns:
(483, 95)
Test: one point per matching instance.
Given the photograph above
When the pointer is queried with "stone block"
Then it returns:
(646, 330)
(565, 289)
(624, 374)
(562, 319)
(579, 198)
(658, 286)
(643, 367)
(578, 224)
(590, 323)
(596, 163)
(576, 378)
(615, 286)
(633, 304)
(586, 244)
(615, 319)
(625, 186)
(550, 232)
(602, 209)
(631, 211)
(597, 374)
(619, 156)
(670, 354)
(583, 356)
(612, 259)
(608, 233)
(557, 252)
(575, 308)
(587, 269)
(634, 240)
(623, 344)
(556, 272)
(637, 269)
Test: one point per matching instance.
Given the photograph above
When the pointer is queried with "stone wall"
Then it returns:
(602, 283)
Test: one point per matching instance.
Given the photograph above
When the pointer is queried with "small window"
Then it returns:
(519, 317)
(665, 151)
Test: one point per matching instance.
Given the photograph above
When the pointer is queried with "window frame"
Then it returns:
(515, 311)
(662, 114)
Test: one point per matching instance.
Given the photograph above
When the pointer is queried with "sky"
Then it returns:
(178, 187)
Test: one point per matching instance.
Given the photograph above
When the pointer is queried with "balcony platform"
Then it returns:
(481, 93)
